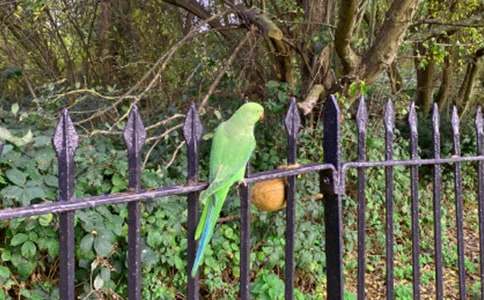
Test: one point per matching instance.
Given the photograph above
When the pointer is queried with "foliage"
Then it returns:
(99, 57)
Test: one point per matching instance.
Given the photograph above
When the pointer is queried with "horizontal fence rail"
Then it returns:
(332, 173)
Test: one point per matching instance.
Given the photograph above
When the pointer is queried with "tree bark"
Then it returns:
(347, 18)
(445, 89)
(425, 78)
(467, 88)
(385, 48)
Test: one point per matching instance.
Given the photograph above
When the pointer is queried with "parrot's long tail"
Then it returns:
(209, 219)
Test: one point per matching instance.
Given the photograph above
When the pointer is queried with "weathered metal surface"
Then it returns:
(65, 142)
(333, 215)
(292, 123)
(412, 122)
(192, 131)
(437, 197)
(361, 122)
(389, 121)
(134, 136)
(480, 192)
(459, 202)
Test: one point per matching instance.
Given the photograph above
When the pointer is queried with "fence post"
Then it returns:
(292, 124)
(192, 131)
(65, 142)
(134, 136)
(332, 201)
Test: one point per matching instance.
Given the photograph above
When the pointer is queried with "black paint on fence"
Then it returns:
(332, 183)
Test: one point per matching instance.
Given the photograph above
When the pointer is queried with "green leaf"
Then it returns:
(24, 267)
(86, 243)
(16, 177)
(102, 246)
(154, 239)
(28, 249)
(18, 239)
(4, 273)
(45, 220)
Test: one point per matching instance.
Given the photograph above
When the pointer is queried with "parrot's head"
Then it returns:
(251, 112)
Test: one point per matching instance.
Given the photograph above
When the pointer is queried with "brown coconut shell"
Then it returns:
(269, 195)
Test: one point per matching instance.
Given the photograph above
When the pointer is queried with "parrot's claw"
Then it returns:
(243, 183)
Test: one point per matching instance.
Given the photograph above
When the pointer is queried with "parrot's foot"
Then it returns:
(289, 166)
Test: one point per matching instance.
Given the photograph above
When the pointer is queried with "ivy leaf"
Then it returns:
(102, 245)
(4, 274)
(16, 176)
(28, 249)
(154, 239)
(86, 243)
(45, 220)
(18, 239)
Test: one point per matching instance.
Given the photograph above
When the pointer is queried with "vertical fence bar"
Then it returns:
(333, 215)
(412, 121)
(389, 120)
(361, 122)
(192, 131)
(244, 241)
(459, 205)
(65, 142)
(437, 187)
(134, 137)
(292, 124)
(480, 193)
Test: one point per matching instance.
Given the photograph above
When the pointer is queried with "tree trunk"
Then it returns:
(425, 78)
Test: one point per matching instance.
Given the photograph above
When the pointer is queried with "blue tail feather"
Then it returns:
(202, 243)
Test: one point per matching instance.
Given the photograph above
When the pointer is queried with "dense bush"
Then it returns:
(29, 248)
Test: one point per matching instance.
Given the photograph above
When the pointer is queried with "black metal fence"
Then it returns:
(332, 184)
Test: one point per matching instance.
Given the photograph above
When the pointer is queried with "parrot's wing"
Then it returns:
(229, 155)
(231, 150)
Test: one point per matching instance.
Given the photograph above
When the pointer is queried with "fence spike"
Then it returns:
(454, 121)
(192, 129)
(134, 132)
(480, 192)
(479, 122)
(389, 120)
(134, 136)
(362, 115)
(437, 186)
(65, 139)
(389, 116)
(361, 122)
(436, 121)
(333, 214)
(292, 121)
(412, 121)
(459, 203)
(412, 118)
(65, 142)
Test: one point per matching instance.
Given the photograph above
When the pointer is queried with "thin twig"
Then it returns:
(157, 140)
(163, 60)
(173, 156)
(224, 69)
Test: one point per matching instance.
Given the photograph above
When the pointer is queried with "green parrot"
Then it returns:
(232, 146)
